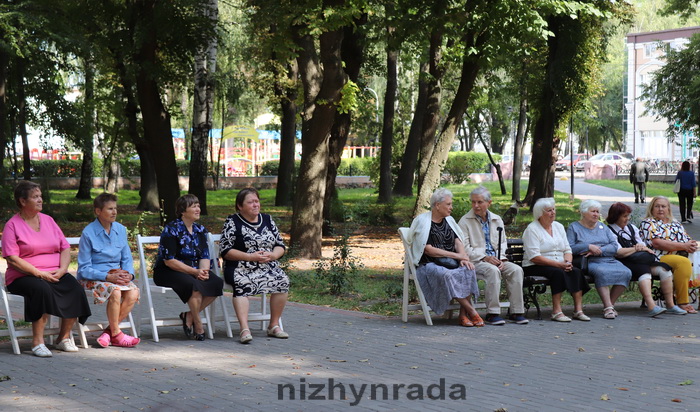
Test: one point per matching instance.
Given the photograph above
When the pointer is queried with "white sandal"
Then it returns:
(41, 351)
(581, 316)
(245, 336)
(560, 317)
(280, 334)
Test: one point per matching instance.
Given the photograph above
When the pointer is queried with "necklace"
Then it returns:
(253, 225)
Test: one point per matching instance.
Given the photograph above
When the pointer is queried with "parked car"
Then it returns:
(602, 159)
(565, 162)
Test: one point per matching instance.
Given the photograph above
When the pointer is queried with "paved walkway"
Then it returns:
(631, 363)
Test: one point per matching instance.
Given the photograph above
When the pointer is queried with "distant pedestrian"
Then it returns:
(688, 191)
(639, 176)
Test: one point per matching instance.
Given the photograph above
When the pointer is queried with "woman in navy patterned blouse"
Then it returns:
(251, 246)
(183, 264)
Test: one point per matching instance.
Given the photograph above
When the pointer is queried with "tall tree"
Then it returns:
(205, 67)
(574, 54)
(89, 129)
(674, 91)
(385, 176)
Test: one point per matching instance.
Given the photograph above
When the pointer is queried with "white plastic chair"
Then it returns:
(14, 333)
(148, 288)
(263, 316)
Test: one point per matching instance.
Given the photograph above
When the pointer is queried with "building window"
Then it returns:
(649, 49)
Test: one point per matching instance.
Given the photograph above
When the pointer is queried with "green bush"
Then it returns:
(270, 168)
(461, 164)
(356, 166)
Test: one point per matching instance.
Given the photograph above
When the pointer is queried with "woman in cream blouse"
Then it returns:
(548, 254)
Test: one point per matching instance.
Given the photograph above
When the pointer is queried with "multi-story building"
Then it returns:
(645, 136)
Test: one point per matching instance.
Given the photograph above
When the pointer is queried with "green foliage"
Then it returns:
(674, 91)
(341, 270)
(461, 164)
(356, 166)
(270, 168)
(348, 102)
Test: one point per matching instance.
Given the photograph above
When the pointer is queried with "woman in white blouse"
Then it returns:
(548, 254)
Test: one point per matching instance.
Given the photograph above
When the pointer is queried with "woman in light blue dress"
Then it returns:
(590, 238)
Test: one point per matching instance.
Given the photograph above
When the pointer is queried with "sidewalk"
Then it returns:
(630, 363)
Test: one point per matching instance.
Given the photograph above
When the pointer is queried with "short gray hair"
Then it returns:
(540, 205)
(439, 196)
(481, 191)
(588, 204)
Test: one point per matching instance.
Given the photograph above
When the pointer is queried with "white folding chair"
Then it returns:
(14, 333)
(148, 288)
(263, 316)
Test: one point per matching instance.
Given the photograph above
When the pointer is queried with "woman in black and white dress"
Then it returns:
(251, 246)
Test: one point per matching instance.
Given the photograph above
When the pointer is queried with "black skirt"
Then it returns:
(183, 284)
(65, 298)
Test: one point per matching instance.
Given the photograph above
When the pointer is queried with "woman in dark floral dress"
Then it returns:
(183, 264)
(251, 247)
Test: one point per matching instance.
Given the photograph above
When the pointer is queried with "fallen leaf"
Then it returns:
(400, 344)
(622, 389)
(676, 400)
(605, 397)
(338, 360)
(252, 366)
(637, 337)
(4, 378)
(692, 335)
(363, 360)
(126, 397)
(164, 391)
(610, 356)
(686, 382)
(71, 384)
(580, 349)
(552, 353)
(414, 367)
(571, 333)
(515, 365)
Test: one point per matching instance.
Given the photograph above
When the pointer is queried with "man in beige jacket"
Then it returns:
(480, 228)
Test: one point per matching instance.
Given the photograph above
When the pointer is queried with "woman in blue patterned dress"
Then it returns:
(251, 247)
(589, 237)
(183, 264)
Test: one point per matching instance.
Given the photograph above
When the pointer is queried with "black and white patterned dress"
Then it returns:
(252, 278)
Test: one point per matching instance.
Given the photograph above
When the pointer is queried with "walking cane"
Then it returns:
(500, 233)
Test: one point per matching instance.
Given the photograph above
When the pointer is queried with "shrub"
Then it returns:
(341, 270)
(356, 166)
(461, 164)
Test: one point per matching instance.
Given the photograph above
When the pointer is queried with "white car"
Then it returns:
(602, 159)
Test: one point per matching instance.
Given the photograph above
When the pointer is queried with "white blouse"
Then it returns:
(537, 242)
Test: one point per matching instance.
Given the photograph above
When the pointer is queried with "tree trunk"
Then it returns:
(22, 118)
(205, 67)
(404, 180)
(519, 142)
(323, 79)
(470, 69)
(4, 129)
(88, 133)
(351, 53)
(385, 176)
(156, 119)
(432, 113)
(148, 191)
(285, 171)
(493, 163)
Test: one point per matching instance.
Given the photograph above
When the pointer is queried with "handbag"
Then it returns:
(642, 258)
(446, 262)
(695, 275)
(677, 186)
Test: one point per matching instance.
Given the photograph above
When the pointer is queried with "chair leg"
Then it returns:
(263, 309)
(227, 319)
(132, 326)
(208, 317)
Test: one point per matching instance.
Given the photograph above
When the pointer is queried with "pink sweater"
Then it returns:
(42, 249)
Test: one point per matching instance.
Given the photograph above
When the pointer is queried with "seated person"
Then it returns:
(590, 238)
(480, 227)
(106, 267)
(434, 236)
(547, 253)
(641, 260)
(37, 257)
(183, 264)
(666, 237)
